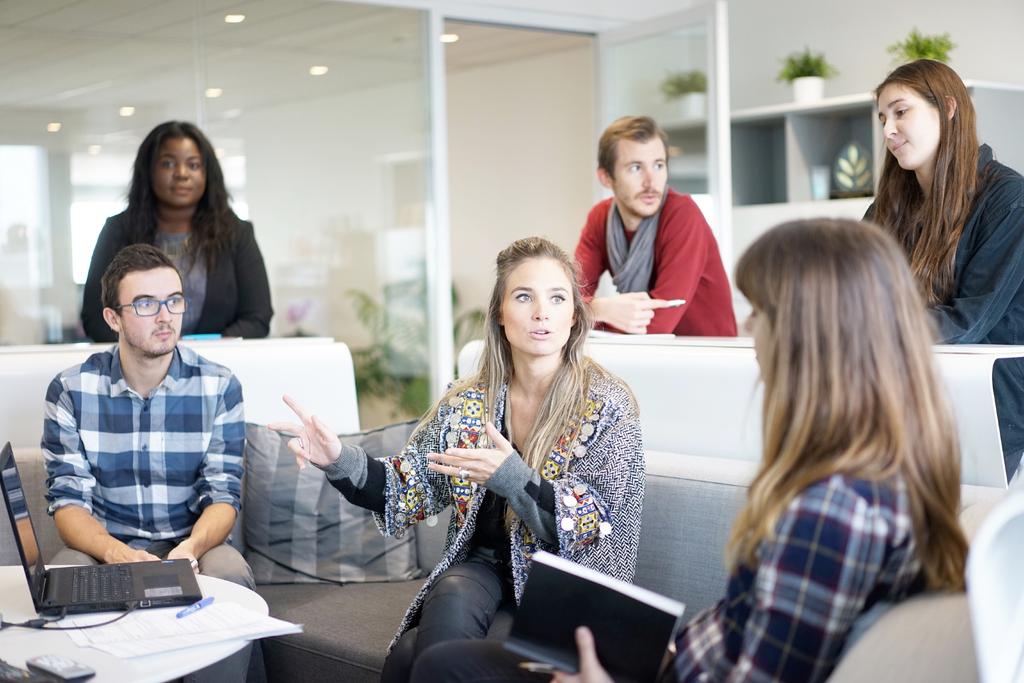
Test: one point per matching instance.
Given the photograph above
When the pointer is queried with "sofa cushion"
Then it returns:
(689, 508)
(925, 638)
(347, 629)
(298, 528)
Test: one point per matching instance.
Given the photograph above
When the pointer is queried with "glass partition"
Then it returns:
(319, 112)
(675, 70)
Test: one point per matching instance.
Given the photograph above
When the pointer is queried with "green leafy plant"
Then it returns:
(919, 46)
(803, 64)
(394, 366)
(679, 83)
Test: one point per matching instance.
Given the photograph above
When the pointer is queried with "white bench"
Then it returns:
(316, 371)
(700, 398)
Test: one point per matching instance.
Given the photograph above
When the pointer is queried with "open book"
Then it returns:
(632, 626)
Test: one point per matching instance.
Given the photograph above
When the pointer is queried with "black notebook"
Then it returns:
(632, 626)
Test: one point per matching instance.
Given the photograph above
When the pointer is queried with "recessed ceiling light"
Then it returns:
(95, 149)
(214, 92)
(232, 113)
(219, 151)
(53, 127)
(126, 111)
(234, 18)
(449, 37)
(317, 70)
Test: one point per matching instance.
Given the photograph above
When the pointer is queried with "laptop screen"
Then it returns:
(21, 522)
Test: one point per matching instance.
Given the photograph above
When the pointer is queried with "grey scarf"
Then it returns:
(632, 263)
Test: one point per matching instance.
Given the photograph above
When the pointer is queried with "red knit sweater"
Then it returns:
(687, 265)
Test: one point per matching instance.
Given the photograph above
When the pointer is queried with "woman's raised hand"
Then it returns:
(314, 441)
(473, 464)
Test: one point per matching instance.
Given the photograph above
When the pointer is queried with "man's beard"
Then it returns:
(146, 350)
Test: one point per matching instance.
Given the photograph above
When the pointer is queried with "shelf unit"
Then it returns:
(774, 148)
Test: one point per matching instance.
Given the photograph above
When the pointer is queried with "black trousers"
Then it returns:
(469, 661)
(464, 604)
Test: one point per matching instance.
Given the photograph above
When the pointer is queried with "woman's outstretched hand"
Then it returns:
(314, 441)
(591, 670)
(473, 464)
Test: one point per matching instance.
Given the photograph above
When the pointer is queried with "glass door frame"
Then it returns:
(438, 228)
(715, 15)
(438, 225)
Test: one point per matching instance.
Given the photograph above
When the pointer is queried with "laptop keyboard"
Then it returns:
(102, 583)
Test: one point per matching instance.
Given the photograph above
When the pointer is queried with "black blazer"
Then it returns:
(237, 292)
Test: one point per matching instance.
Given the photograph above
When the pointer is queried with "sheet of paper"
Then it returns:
(151, 631)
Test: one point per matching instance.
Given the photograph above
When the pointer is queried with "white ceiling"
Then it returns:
(483, 44)
(78, 61)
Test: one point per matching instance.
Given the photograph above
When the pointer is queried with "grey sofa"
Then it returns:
(689, 508)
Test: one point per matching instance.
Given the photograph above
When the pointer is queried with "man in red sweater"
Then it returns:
(654, 241)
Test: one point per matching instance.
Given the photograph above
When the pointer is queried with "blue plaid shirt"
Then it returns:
(841, 546)
(144, 467)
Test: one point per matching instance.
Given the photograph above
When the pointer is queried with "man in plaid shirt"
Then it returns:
(143, 442)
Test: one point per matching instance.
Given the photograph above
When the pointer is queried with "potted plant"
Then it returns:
(689, 88)
(919, 46)
(807, 72)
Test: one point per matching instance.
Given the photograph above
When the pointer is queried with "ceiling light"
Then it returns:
(234, 18)
(449, 37)
(220, 152)
(95, 149)
(214, 92)
(317, 70)
(53, 127)
(126, 111)
(232, 113)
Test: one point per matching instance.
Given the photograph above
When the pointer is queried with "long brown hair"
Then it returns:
(567, 395)
(929, 228)
(849, 384)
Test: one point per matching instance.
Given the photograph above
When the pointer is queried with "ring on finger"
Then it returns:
(463, 474)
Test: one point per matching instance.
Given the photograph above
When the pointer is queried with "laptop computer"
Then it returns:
(100, 588)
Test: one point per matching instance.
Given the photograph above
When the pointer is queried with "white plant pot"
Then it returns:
(808, 88)
(693, 105)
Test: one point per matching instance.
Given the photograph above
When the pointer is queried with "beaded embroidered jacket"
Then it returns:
(596, 469)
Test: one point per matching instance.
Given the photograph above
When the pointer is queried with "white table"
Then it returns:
(19, 644)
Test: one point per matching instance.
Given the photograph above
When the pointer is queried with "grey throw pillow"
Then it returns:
(299, 528)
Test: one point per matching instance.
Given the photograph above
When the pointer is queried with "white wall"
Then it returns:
(854, 37)
(522, 154)
(320, 201)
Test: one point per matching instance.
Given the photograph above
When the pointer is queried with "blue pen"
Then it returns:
(195, 606)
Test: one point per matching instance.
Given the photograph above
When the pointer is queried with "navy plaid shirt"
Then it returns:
(841, 546)
(144, 467)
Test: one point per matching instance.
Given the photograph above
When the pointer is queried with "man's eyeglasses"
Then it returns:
(147, 308)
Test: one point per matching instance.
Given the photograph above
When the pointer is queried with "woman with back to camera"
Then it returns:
(855, 501)
(539, 450)
(959, 216)
(178, 202)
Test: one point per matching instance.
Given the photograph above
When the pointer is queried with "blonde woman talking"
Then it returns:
(539, 450)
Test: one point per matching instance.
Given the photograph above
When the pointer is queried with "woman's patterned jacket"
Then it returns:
(597, 471)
